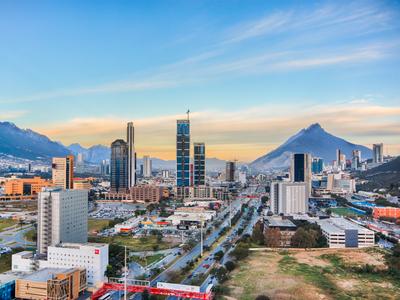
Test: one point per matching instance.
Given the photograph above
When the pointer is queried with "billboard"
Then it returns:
(178, 287)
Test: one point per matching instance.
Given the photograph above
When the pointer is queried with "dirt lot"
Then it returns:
(322, 274)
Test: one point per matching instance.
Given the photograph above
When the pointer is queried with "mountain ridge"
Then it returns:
(313, 139)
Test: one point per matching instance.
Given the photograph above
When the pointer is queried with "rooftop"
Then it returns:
(339, 225)
(279, 222)
(46, 274)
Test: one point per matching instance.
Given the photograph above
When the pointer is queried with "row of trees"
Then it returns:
(307, 235)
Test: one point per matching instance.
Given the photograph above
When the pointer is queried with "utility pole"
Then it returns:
(201, 237)
(230, 211)
(126, 271)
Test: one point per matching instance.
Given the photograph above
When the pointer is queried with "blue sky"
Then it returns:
(252, 72)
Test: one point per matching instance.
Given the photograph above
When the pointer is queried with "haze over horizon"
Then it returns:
(252, 74)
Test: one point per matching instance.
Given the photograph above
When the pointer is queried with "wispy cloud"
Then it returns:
(12, 114)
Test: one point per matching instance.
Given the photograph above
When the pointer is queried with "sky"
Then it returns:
(252, 73)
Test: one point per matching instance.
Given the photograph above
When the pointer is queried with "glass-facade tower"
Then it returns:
(199, 164)
(183, 153)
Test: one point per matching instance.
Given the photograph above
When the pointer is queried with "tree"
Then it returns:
(230, 266)
(220, 273)
(241, 252)
(264, 199)
(262, 297)
(145, 295)
(258, 234)
(304, 239)
(219, 255)
(273, 237)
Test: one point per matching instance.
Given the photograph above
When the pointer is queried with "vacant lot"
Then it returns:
(97, 225)
(5, 223)
(149, 243)
(322, 274)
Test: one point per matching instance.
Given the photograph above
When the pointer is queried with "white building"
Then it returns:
(62, 217)
(92, 257)
(243, 178)
(147, 167)
(289, 197)
(342, 233)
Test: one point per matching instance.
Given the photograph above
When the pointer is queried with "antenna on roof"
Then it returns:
(188, 113)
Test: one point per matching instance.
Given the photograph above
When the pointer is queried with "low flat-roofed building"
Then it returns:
(7, 285)
(286, 228)
(388, 212)
(51, 283)
(342, 233)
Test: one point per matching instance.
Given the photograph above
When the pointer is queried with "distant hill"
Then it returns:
(95, 154)
(314, 140)
(28, 144)
(385, 176)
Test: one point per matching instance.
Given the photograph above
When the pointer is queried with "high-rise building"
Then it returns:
(105, 167)
(130, 141)
(183, 153)
(317, 165)
(289, 197)
(300, 170)
(356, 159)
(377, 150)
(199, 164)
(147, 167)
(119, 167)
(62, 217)
(230, 171)
(62, 169)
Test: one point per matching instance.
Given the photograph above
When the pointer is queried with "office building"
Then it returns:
(317, 165)
(131, 159)
(289, 197)
(82, 184)
(300, 168)
(105, 167)
(62, 217)
(183, 153)
(377, 152)
(356, 159)
(62, 170)
(199, 177)
(119, 167)
(342, 233)
(147, 166)
(230, 171)
(386, 212)
(51, 283)
(25, 186)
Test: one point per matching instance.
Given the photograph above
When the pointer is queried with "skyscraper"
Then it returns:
(230, 171)
(199, 164)
(147, 168)
(183, 153)
(301, 167)
(62, 217)
(119, 166)
(130, 141)
(356, 159)
(377, 153)
(289, 197)
(317, 165)
(62, 169)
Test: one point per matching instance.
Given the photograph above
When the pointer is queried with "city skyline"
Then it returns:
(252, 77)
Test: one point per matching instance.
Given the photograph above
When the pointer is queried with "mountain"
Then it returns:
(27, 144)
(94, 154)
(314, 140)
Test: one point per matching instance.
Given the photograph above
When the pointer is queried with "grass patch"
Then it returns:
(31, 235)
(5, 260)
(97, 225)
(148, 260)
(345, 212)
(5, 223)
(150, 243)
